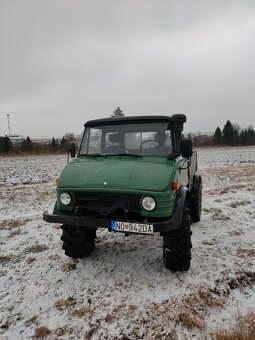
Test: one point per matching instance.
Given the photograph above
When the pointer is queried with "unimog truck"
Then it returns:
(133, 175)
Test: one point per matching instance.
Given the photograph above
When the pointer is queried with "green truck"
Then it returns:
(131, 175)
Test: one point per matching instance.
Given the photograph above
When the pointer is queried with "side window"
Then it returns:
(95, 140)
(84, 143)
(168, 141)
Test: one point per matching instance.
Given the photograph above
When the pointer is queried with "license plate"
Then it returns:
(139, 228)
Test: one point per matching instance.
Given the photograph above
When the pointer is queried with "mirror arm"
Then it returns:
(187, 167)
(172, 156)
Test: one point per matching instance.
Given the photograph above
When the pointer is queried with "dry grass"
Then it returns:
(209, 298)
(31, 321)
(241, 279)
(67, 267)
(236, 232)
(210, 243)
(244, 252)
(31, 259)
(201, 299)
(119, 311)
(64, 304)
(92, 330)
(191, 321)
(195, 306)
(36, 248)
(61, 331)
(5, 259)
(220, 216)
(235, 204)
(211, 210)
(15, 232)
(233, 187)
(83, 312)
(13, 223)
(54, 257)
(41, 332)
(244, 328)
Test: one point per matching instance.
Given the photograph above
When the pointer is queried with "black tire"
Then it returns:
(196, 202)
(177, 244)
(78, 242)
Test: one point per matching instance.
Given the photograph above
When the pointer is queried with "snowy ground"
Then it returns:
(123, 291)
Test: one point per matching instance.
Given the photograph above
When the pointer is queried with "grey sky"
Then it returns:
(65, 62)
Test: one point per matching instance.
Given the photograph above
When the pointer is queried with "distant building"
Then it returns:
(42, 141)
(47, 141)
(16, 140)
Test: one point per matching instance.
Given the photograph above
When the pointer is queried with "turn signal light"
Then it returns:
(175, 186)
(57, 179)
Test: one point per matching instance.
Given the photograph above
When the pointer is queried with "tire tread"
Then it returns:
(77, 242)
(177, 244)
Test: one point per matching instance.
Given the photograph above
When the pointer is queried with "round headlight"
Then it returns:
(65, 198)
(148, 203)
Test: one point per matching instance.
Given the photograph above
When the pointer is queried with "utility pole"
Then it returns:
(9, 129)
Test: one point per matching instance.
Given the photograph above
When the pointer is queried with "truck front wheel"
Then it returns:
(177, 244)
(78, 242)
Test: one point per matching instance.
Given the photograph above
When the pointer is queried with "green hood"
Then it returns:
(118, 172)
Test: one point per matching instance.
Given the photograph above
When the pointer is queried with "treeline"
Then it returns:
(232, 134)
(5, 144)
(27, 146)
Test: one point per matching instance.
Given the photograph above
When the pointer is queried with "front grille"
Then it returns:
(107, 204)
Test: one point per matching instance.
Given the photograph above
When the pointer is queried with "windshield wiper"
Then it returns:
(93, 154)
(111, 154)
(125, 154)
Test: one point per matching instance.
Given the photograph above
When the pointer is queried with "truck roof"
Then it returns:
(148, 119)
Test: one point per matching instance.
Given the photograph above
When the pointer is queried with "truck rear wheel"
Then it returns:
(78, 242)
(196, 202)
(177, 244)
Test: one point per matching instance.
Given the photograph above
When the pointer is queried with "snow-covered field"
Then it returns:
(123, 290)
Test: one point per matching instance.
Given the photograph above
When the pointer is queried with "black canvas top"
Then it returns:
(136, 119)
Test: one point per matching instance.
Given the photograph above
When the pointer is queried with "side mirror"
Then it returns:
(71, 149)
(186, 148)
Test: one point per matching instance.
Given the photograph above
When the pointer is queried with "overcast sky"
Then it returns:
(65, 62)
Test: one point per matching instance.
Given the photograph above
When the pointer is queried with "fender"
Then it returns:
(55, 210)
(58, 212)
(182, 196)
(196, 181)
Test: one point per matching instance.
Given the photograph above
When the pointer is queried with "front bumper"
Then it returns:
(90, 222)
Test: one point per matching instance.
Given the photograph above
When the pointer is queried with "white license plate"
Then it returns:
(139, 228)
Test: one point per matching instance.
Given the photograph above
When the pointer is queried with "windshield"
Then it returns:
(146, 139)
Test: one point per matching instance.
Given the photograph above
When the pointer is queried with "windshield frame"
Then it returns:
(135, 127)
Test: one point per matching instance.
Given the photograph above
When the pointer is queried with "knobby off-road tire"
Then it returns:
(196, 202)
(177, 244)
(78, 242)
